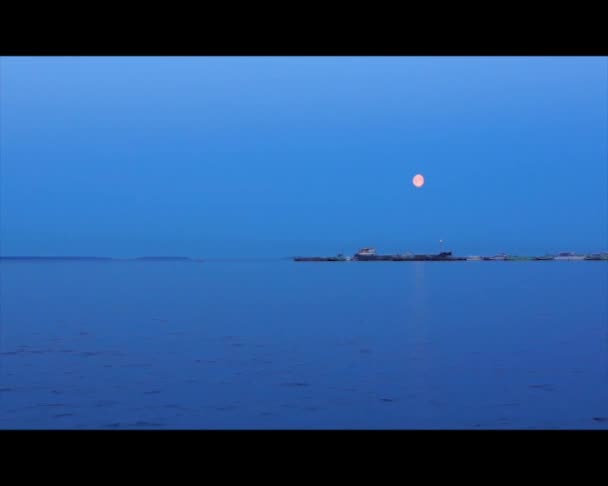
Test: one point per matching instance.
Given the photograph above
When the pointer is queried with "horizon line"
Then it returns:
(195, 259)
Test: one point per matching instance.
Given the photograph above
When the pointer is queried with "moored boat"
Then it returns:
(338, 258)
(370, 255)
(593, 256)
(499, 257)
(568, 255)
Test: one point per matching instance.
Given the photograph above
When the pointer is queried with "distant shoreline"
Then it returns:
(30, 258)
(104, 259)
(138, 259)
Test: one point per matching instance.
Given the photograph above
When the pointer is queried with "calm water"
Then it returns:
(304, 345)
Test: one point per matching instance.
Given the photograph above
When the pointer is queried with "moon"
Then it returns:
(418, 180)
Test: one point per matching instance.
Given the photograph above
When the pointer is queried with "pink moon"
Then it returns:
(418, 180)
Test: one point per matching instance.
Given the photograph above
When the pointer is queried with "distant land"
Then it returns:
(172, 258)
(365, 254)
(95, 258)
(140, 259)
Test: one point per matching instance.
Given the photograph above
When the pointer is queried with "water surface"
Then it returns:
(278, 344)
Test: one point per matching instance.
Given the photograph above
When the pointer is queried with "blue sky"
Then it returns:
(276, 156)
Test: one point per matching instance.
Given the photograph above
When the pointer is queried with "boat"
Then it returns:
(474, 259)
(338, 258)
(568, 255)
(499, 257)
(544, 258)
(370, 255)
(443, 256)
(364, 253)
(593, 256)
(517, 258)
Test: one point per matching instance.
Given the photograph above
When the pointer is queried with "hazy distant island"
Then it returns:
(97, 258)
(94, 258)
(168, 258)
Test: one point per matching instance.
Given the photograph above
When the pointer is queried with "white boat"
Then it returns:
(500, 256)
(473, 258)
(367, 252)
